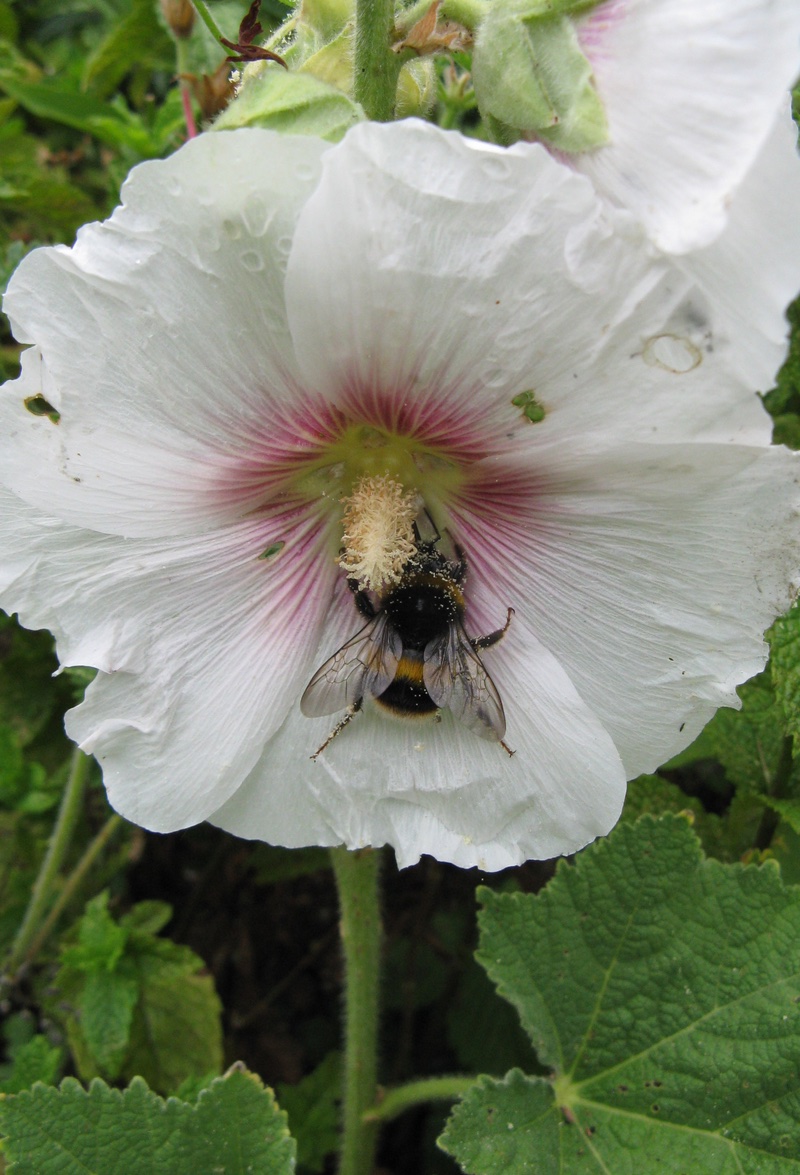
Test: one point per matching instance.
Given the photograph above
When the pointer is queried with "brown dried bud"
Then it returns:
(179, 15)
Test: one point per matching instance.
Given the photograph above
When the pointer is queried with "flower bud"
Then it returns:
(179, 15)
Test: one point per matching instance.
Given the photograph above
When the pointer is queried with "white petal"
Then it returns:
(437, 788)
(426, 260)
(163, 341)
(202, 646)
(752, 270)
(691, 89)
(651, 573)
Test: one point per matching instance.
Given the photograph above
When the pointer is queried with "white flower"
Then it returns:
(703, 150)
(266, 321)
(692, 90)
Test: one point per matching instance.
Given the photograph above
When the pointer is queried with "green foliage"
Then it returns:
(312, 1107)
(132, 1003)
(531, 74)
(233, 1126)
(31, 1057)
(661, 990)
(783, 402)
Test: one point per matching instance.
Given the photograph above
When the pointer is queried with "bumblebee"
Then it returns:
(413, 656)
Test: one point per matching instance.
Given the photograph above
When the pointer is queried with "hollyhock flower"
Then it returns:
(692, 90)
(267, 324)
(693, 135)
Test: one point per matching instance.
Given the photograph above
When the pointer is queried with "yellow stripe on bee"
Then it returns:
(409, 669)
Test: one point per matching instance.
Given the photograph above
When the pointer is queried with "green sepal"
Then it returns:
(417, 86)
(530, 74)
(292, 103)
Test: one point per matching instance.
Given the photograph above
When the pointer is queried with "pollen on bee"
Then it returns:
(378, 537)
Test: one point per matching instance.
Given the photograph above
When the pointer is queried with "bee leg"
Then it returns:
(349, 714)
(507, 748)
(486, 642)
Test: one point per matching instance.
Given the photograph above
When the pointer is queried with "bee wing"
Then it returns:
(456, 679)
(363, 667)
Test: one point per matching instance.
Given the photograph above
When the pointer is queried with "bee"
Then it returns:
(413, 656)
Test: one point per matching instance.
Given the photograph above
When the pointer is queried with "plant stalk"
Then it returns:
(360, 926)
(414, 1093)
(376, 67)
(60, 839)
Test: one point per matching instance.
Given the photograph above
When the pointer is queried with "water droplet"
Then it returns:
(284, 246)
(252, 261)
(495, 167)
(305, 172)
(256, 215)
(232, 229)
(672, 353)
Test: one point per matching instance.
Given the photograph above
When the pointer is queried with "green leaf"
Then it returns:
(176, 1031)
(784, 639)
(531, 74)
(294, 103)
(234, 1127)
(312, 1106)
(751, 742)
(100, 940)
(111, 123)
(135, 41)
(662, 990)
(133, 1004)
(36, 1060)
(107, 1005)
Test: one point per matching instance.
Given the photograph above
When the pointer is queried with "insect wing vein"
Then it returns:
(456, 679)
(363, 667)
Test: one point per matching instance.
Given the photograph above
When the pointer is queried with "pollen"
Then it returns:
(378, 537)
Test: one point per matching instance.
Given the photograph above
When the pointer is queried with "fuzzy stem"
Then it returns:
(360, 925)
(208, 20)
(60, 839)
(414, 1093)
(375, 66)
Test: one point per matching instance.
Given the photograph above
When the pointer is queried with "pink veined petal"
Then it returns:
(691, 89)
(437, 788)
(162, 340)
(203, 647)
(650, 572)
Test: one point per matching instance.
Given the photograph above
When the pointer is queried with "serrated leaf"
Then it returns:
(36, 1060)
(234, 1127)
(107, 1006)
(176, 1031)
(662, 989)
(483, 1030)
(155, 1014)
(312, 1106)
(785, 666)
(751, 742)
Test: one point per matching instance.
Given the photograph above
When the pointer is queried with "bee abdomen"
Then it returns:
(407, 695)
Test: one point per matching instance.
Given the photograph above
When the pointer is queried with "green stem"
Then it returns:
(375, 66)
(53, 859)
(414, 1093)
(93, 851)
(360, 924)
(208, 20)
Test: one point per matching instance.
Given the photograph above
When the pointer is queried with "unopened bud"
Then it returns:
(179, 15)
